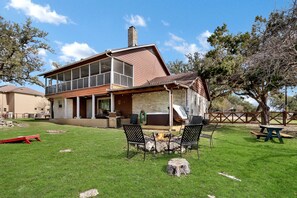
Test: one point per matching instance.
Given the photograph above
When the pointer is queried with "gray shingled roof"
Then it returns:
(183, 78)
(23, 90)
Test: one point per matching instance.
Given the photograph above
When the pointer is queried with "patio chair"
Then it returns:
(189, 138)
(210, 136)
(135, 136)
(134, 119)
(196, 120)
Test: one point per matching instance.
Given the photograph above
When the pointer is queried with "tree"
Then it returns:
(277, 101)
(206, 68)
(177, 66)
(19, 47)
(258, 62)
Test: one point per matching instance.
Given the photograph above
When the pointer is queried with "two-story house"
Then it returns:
(125, 81)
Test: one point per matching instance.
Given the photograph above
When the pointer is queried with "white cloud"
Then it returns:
(40, 13)
(135, 20)
(202, 38)
(76, 51)
(165, 23)
(42, 52)
(180, 45)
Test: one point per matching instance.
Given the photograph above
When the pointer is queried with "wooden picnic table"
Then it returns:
(270, 129)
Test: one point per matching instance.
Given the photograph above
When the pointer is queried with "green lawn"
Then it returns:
(98, 160)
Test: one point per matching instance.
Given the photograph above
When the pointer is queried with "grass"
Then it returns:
(98, 160)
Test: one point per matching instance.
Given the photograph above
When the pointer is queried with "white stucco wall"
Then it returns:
(60, 112)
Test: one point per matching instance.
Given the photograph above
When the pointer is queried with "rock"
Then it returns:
(178, 166)
(89, 193)
(66, 151)
(55, 131)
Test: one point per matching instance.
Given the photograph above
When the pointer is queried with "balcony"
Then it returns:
(80, 83)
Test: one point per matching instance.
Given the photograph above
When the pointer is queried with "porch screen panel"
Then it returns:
(124, 80)
(128, 70)
(84, 71)
(105, 65)
(100, 79)
(80, 83)
(74, 84)
(117, 78)
(118, 66)
(93, 81)
(107, 78)
(86, 82)
(94, 68)
(130, 82)
(75, 74)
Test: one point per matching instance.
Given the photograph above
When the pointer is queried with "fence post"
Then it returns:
(285, 118)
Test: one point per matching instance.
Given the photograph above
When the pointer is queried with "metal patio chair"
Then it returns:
(135, 136)
(190, 137)
(196, 120)
(210, 136)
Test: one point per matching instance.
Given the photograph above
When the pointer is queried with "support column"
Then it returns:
(170, 110)
(93, 106)
(65, 108)
(77, 107)
(111, 102)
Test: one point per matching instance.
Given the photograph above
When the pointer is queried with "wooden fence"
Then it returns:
(277, 118)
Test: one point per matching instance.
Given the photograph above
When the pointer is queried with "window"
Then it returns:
(35, 109)
(100, 79)
(94, 68)
(4, 109)
(128, 70)
(118, 66)
(75, 73)
(84, 71)
(59, 103)
(104, 104)
(60, 77)
(67, 75)
(105, 66)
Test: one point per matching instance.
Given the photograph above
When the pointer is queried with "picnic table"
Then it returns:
(270, 129)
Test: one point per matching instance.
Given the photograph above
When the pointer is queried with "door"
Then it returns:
(89, 108)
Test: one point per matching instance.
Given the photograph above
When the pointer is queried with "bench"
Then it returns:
(25, 139)
(258, 134)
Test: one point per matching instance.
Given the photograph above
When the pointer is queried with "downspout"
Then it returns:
(170, 108)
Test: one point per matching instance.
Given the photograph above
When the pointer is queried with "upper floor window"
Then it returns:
(94, 68)
(105, 65)
(118, 66)
(75, 73)
(84, 71)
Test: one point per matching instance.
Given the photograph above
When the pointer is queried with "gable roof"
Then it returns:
(182, 78)
(106, 54)
(22, 90)
(185, 80)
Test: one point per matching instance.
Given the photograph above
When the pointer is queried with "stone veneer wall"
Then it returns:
(157, 101)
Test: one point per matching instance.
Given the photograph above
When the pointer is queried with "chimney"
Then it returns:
(132, 37)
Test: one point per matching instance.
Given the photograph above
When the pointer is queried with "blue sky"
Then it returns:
(78, 29)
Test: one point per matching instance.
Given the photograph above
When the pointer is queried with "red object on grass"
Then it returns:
(21, 139)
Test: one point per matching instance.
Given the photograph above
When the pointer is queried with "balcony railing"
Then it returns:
(80, 83)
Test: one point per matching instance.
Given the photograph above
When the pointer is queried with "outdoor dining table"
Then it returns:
(270, 129)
